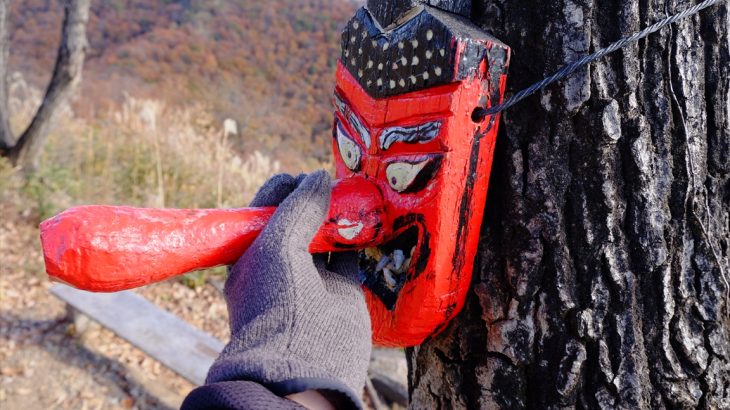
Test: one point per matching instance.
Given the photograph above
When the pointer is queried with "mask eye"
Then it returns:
(402, 174)
(349, 150)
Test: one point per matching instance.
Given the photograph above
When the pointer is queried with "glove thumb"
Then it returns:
(300, 215)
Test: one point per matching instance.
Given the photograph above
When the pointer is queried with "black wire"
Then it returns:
(570, 68)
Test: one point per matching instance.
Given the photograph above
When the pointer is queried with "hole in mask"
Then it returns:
(478, 115)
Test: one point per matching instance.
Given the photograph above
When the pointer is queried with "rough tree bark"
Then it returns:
(66, 77)
(602, 275)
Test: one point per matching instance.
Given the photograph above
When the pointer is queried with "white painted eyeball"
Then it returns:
(349, 150)
(401, 174)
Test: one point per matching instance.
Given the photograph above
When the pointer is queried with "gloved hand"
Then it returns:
(298, 321)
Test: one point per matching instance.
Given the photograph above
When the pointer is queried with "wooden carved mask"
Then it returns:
(412, 155)
(404, 101)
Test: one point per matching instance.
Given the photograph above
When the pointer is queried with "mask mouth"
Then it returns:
(384, 269)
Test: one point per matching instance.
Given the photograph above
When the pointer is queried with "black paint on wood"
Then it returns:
(460, 7)
(388, 12)
(419, 53)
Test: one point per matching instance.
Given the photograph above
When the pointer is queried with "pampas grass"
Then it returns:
(141, 153)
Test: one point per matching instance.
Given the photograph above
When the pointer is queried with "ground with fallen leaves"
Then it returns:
(46, 362)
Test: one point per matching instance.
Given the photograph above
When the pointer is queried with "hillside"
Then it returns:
(267, 64)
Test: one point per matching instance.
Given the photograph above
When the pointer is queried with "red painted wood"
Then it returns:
(112, 248)
(435, 294)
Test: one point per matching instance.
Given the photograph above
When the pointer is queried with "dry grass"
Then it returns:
(142, 153)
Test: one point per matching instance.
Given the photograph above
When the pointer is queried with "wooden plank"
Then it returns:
(175, 343)
(389, 388)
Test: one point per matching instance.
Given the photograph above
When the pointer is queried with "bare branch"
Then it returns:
(66, 76)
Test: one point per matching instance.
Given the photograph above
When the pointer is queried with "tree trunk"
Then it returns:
(6, 136)
(66, 76)
(602, 275)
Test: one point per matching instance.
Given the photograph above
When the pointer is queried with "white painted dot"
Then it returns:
(412, 78)
(380, 66)
(386, 45)
(400, 45)
(425, 75)
(370, 63)
(352, 61)
(359, 50)
(415, 60)
(369, 82)
(352, 39)
(364, 34)
(402, 82)
(442, 52)
(347, 53)
(414, 43)
(359, 73)
(394, 66)
(374, 43)
(392, 84)
(429, 34)
(403, 61)
(437, 71)
(428, 54)
(356, 25)
(379, 82)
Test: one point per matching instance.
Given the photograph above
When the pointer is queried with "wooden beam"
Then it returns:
(175, 343)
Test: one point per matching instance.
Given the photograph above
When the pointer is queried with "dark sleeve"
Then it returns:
(236, 395)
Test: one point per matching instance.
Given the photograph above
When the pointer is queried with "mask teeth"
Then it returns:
(397, 262)
(382, 263)
(389, 279)
(398, 259)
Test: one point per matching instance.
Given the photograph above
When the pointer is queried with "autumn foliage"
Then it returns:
(267, 64)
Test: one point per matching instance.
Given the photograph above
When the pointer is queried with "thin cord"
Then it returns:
(570, 68)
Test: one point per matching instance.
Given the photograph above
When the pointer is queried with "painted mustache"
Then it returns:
(111, 248)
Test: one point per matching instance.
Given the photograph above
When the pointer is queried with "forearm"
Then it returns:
(312, 399)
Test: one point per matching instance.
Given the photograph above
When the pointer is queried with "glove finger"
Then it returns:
(344, 264)
(340, 275)
(276, 189)
(298, 218)
(300, 178)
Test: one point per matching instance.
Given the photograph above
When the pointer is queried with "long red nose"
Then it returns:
(355, 218)
(111, 248)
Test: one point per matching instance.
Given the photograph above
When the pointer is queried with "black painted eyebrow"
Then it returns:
(348, 113)
(364, 133)
(341, 106)
(419, 133)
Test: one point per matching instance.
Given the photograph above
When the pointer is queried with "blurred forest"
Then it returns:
(266, 64)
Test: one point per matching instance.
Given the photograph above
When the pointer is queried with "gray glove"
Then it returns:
(298, 321)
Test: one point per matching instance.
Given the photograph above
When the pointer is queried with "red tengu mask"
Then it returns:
(404, 126)
(413, 156)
